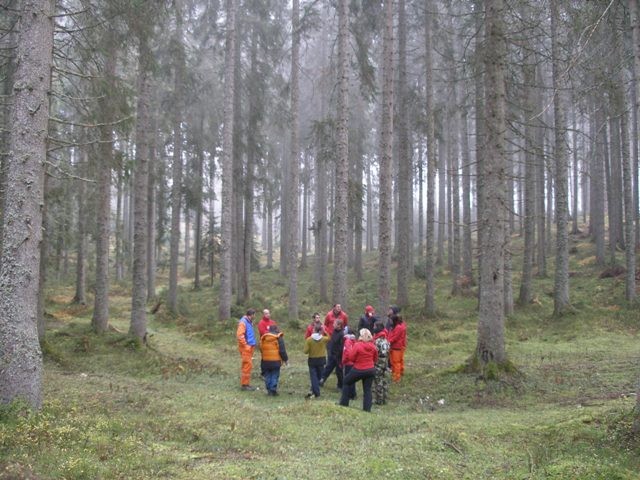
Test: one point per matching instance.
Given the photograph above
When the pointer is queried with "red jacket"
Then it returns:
(346, 350)
(309, 330)
(264, 324)
(364, 355)
(398, 337)
(330, 319)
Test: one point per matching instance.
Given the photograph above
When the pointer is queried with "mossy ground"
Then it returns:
(173, 409)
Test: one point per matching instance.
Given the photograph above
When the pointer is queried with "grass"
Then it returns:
(173, 409)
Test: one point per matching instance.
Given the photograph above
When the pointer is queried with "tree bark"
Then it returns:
(176, 168)
(294, 171)
(597, 179)
(490, 345)
(526, 285)
(467, 245)
(540, 183)
(342, 162)
(561, 280)
(81, 270)
(21, 365)
(404, 184)
(8, 70)
(429, 302)
(199, 200)
(634, 14)
(224, 309)
(385, 156)
(138, 326)
(151, 204)
(627, 175)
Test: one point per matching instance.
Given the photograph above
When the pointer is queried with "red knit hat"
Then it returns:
(369, 309)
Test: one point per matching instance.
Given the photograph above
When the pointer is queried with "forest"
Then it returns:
(167, 165)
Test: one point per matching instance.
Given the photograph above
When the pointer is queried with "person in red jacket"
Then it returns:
(265, 322)
(347, 362)
(332, 315)
(312, 326)
(364, 355)
(398, 340)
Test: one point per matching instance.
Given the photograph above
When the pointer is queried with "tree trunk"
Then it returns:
(421, 232)
(467, 246)
(634, 13)
(21, 368)
(598, 184)
(404, 184)
(8, 70)
(151, 206)
(138, 326)
(212, 219)
(199, 200)
(490, 343)
(294, 171)
(385, 156)
(430, 302)
(305, 215)
(561, 281)
(356, 197)
(224, 309)
(44, 255)
(80, 295)
(480, 130)
(176, 168)
(614, 185)
(342, 162)
(526, 284)
(627, 175)
(442, 199)
(237, 206)
(454, 172)
(369, 208)
(629, 215)
(540, 183)
(187, 240)
(119, 227)
(574, 199)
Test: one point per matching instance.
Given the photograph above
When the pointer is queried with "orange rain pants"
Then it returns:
(246, 353)
(397, 364)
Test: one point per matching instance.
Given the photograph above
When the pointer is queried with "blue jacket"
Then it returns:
(249, 334)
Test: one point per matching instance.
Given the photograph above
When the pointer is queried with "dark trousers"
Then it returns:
(351, 389)
(331, 364)
(271, 377)
(315, 374)
(351, 378)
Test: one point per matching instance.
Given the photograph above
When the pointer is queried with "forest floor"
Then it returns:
(173, 408)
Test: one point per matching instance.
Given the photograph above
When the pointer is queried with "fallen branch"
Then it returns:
(452, 446)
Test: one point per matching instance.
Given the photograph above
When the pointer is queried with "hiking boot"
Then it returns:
(248, 388)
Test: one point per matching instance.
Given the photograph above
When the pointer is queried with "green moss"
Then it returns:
(115, 408)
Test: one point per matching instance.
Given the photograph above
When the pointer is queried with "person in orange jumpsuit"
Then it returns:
(246, 344)
(398, 340)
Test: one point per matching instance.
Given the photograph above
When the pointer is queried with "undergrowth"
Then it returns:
(560, 408)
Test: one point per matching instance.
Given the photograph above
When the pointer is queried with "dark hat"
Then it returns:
(274, 329)
(395, 309)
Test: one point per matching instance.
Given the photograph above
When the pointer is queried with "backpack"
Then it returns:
(383, 346)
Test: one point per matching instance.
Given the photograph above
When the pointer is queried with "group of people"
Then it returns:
(365, 355)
